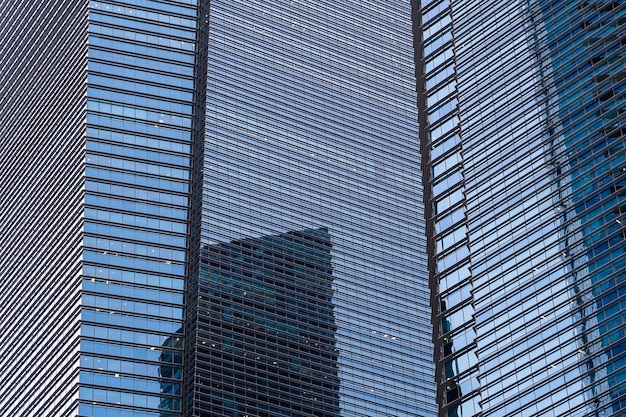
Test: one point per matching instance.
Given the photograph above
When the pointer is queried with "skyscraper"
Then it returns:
(522, 124)
(178, 175)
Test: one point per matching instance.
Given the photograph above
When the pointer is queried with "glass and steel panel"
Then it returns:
(311, 127)
(138, 156)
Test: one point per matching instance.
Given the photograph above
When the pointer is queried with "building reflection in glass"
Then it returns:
(170, 373)
(265, 342)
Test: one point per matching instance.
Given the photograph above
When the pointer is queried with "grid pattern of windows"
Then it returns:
(312, 129)
(294, 211)
(42, 100)
(523, 128)
(583, 47)
(138, 153)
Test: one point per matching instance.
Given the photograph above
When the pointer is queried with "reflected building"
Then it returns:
(521, 120)
(264, 333)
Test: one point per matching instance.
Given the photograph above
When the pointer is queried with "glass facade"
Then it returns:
(311, 125)
(223, 204)
(522, 117)
(140, 90)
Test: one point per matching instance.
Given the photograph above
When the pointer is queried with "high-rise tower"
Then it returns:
(521, 120)
(182, 174)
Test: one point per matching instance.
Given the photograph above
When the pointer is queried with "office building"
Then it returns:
(183, 174)
(522, 123)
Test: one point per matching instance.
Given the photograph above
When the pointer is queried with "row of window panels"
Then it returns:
(581, 44)
(587, 116)
(126, 151)
(546, 390)
(161, 145)
(125, 247)
(135, 18)
(145, 75)
(136, 207)
(138, 37)
(136, 235)
(130, 165)
(586, 96)
(136, 193)
(222, 335)
(299, 367)
(452, 277)
(131, 306)
(140, 127)
(491, 332)
(160, 356)
(306, 79)
(141, 64)
(128, 382)
(308, 35)
(246, 401)
(595, 90)
(143, 281)
(308, 64)
(126, 178)
(431, 10)
(108, 287)
(126, 261)
(144, 107)
(538, 282)
(184, 7)
(469, 405)
(116, 318)
(594, 69)
(99, 41)
(283, 287)
(127, 336)
(142, 88)
(593, 190)
(533, 351)
(594, 146)
(278, 316)
(211, 405)
(536, 377)
(129, 399)
(92, 409)
(518, 290)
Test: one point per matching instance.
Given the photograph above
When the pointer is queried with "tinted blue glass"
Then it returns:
(139, 120)
(312, 223)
